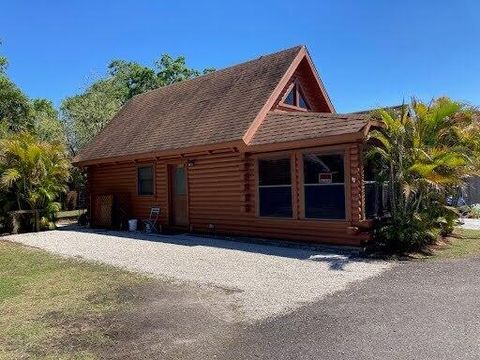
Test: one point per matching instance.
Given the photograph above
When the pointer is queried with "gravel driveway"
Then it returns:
(263, 280)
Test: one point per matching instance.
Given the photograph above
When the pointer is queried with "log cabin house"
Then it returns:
(255, 149)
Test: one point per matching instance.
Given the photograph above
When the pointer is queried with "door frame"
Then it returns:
(171, 166)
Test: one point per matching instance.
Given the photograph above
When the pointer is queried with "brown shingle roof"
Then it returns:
(290, 126)
(214, 108)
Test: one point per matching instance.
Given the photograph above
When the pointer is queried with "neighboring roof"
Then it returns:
(369, 111)
(290, 126)
(215, 108)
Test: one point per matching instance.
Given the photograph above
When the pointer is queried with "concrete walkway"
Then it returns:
(473, 224)
(262, 280)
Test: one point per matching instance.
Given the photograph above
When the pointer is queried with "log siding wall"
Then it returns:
(222, 191)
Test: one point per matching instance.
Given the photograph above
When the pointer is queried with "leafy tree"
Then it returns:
(19, 113)
(47, 125)
(34, 171)
(172, 70)
(16, 112)
(34, 167)
(131, 78)
(3, 64)
(424, 152)
(87, 113)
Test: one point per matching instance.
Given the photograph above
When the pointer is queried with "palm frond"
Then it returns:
(9, 177)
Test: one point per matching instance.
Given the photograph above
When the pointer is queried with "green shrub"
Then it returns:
(46, 224)
(474, 211)
(408, 234)
(33, 173)
(425, 152)
(443, 217)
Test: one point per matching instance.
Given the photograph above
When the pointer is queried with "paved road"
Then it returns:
(417, 310)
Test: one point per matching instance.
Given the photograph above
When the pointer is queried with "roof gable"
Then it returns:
(301, 67)
(311, 88)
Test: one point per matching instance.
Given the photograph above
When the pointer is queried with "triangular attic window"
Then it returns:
(291, 98)
(296, 98)
(301, 102)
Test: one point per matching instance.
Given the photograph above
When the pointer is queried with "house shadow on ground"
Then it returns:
(337, 257)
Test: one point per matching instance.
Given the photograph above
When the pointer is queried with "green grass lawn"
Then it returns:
(464, 242)
(57, 308)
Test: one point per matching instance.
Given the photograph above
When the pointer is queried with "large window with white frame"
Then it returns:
(275, 187)
(324, 186)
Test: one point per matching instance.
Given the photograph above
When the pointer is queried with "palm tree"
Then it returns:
(425, 151)
(35, 172)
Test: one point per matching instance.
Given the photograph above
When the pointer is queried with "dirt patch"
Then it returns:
(171, 321)
(164, 321)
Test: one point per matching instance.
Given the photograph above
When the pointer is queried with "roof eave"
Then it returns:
(236, 145)
(309, 143)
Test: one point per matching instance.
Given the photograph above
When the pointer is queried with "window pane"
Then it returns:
(276, 201)
(145, 180)
(145, 173)
(290, 99)
(302, 103)
(274, 172)
(323, 169)
(180, 181)
(325, 201)
(146, 187)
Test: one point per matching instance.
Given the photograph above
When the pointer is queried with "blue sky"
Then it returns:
(368, 53)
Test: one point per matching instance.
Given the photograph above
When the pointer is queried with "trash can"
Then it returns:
(132, 225)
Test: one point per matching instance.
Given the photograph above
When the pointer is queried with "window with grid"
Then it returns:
(145, 180)
(275, 187)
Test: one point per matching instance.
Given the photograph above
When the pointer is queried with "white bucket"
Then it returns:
(132, 225)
